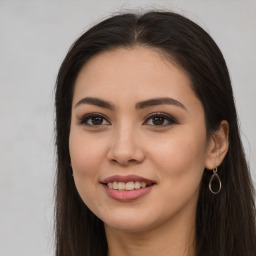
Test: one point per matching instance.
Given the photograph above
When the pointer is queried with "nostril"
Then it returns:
(132, 160)
(123, 161)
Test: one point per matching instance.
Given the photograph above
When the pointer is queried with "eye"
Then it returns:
(94, 120)
(160, 119)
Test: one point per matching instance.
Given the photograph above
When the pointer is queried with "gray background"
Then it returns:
(34, 38)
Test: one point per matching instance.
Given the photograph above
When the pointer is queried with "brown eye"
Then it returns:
(160, 119)
(94, 120)
(98, 120)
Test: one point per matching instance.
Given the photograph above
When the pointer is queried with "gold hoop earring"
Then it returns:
(216, 177)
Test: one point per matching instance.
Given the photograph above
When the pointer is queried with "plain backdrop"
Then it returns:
(34, 38)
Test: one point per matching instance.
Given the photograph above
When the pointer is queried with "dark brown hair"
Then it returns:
(225, 223)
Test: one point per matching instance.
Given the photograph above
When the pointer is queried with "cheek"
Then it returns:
(180, 162)
(86, 155)
(181, 158)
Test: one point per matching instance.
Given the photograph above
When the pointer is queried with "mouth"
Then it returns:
(127, 188)
(129, 182)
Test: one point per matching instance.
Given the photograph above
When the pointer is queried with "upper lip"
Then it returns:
(127, 178)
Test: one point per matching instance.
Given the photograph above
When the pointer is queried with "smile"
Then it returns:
(131, 185)
(127, 188)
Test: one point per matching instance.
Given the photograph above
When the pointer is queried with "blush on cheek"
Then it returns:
(83, 154)
(84, 165)
(180, 158)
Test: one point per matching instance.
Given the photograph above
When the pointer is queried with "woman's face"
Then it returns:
(136, 122)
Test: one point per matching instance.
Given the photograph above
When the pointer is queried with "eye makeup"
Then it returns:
(94, 119)
(160, 119)
(156, 119)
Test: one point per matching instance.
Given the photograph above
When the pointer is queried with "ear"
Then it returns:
(217, 146)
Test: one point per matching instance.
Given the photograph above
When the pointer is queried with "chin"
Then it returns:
(128, 226)
(130, 222)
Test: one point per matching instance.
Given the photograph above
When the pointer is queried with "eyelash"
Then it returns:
(86, 118)
(171, 120)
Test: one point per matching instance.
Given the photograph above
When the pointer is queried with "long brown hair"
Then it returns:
(225, 223)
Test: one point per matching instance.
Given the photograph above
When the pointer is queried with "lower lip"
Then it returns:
(127, 195)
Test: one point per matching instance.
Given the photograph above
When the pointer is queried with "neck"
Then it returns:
(176, 238)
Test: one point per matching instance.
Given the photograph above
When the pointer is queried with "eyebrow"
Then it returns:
(159, 101)
(140, 105)
(96, 102)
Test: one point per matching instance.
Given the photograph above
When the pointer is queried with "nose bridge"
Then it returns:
(125, 147)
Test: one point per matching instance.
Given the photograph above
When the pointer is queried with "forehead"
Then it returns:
(136, 73)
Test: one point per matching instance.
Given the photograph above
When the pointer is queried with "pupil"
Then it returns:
(97, 120)
(158, 120)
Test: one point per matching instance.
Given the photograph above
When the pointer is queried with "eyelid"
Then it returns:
(168, 117)
(86, 117)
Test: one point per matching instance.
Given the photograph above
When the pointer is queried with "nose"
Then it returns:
(125, 149)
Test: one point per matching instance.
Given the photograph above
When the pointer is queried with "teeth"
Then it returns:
(137, 184)
(131, 185)
(115, 185)
(121, 185)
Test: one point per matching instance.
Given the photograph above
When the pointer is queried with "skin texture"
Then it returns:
(127, 141)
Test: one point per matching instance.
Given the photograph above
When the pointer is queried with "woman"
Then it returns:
(150, 160)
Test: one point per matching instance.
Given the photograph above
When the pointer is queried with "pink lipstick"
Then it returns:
(127, 188)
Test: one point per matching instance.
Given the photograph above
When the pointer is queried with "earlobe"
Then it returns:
(218, 146)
